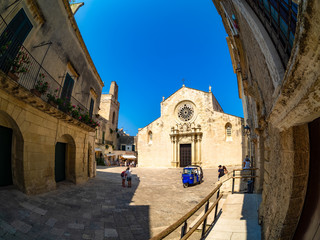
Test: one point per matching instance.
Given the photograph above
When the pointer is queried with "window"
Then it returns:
(67, 87)
(123, 147)
(228, 132)
(91, 107)
(13, 36)
(113, 117)
(133, 147)
(103, 134)
(283, 20)
(150, 137)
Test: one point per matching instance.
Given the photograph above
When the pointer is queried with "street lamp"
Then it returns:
(246, 130)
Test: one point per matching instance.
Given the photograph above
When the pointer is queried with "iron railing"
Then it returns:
(185, 233)
(279, 18)
(19, 64)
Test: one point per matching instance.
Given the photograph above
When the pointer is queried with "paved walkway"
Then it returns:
(239, 219)
(101, 208)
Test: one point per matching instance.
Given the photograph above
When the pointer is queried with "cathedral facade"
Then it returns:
(192, 129)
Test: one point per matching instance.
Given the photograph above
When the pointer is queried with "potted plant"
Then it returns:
(41, 86)
(75, 113)
(53, 98)
(19, 64)
(65, 105)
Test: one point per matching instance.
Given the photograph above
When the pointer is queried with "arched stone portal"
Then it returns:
(65, 159)
(11, 148)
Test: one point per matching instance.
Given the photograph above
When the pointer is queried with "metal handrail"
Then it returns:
(183, 220)
(202, 219)
(17, 62)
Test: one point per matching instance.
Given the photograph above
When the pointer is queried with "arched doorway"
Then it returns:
(89, 163)
(11, 149)
(5, 150)
(309, 223)
(60, 162)
(65, 158)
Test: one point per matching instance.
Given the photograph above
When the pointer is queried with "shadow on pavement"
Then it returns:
(98, 209)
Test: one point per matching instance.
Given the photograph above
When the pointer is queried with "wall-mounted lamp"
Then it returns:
(246, 130)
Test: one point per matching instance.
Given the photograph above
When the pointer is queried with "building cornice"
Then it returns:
(37, 13)
(80, 39)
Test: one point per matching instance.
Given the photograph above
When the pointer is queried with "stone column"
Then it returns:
(174, 151)
(199, 150)
(177, 152)
(193, 149)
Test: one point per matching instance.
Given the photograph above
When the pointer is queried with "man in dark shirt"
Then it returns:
(221, 172)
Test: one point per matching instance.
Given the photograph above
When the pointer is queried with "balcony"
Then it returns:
(23, 76)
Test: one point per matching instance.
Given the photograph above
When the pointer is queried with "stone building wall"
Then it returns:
(35, 136)
(280, 101)
(55, 48)
(214, 147)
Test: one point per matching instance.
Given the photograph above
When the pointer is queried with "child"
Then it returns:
(128, 175)
(123, 177)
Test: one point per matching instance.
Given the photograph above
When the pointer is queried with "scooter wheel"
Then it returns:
(185, 185)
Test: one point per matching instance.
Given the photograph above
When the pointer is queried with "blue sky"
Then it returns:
(148, 47)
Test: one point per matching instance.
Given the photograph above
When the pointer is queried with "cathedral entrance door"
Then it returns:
(185, 155)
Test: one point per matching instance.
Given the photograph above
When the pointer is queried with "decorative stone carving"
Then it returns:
(185, 112)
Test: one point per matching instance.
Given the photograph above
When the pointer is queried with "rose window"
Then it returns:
(185, 112)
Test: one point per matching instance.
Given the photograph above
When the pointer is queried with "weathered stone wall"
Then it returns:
(33, 170)
(279, 103)
(65, 47)
(215, 148)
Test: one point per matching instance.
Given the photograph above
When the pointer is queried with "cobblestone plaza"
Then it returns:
(101, 208)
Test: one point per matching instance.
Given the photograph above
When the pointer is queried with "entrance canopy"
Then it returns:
(128, 156)
(97, 150)
(110, 154)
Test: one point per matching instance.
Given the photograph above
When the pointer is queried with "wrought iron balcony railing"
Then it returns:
(17, 62)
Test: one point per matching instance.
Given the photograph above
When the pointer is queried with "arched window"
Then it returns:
(228, 132)
(113, 117)
(150, 137)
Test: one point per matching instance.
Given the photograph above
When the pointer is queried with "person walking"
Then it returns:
(221, 172)
(128, 175)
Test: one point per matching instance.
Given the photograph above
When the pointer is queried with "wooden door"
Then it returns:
(60, 162)
(185, 155)
(309, 223)
(5, 156)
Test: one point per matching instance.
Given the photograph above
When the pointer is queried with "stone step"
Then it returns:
(211, 215)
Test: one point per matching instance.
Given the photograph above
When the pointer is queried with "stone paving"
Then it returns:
(240, 215)
(101, 208)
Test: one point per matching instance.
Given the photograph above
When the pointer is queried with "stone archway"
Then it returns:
(182, 135)
(65, 159)
(12, 143)
(90, 163)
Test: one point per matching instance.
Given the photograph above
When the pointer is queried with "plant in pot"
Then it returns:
(19, 64)
(76, 112)
(53, 97)
(41, 86)
(65, 105)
